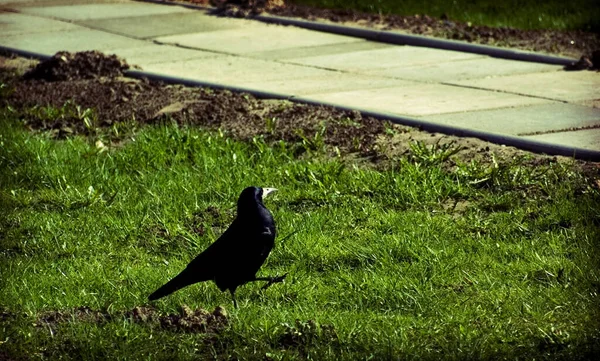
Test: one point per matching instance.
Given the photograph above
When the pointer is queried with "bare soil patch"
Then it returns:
(112, 100)
(569, 43)
(187, 320)
(101, 102)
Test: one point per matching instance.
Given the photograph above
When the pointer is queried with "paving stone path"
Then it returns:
(530, 100)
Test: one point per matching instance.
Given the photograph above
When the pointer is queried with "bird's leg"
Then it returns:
(233, 297)
(271, 280)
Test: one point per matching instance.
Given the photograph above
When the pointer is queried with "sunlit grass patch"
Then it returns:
(530, 14)
(414, 261)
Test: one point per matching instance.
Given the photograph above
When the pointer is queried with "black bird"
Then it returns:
(234, 258)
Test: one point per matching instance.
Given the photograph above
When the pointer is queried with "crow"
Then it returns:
(234, 258)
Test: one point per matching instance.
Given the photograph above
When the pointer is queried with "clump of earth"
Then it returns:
(75, 66)
(187, 320)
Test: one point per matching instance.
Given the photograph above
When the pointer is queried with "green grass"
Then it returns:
(380, 267)
(528, 14)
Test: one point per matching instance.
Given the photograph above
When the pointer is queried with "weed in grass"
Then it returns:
(68, 110)
(304, 335)
(390, 128)
(68, 113)
(314, 143)
(433, 154)
(271, 125)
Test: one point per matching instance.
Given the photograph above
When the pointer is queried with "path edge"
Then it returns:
(389, 37)
(535, 146)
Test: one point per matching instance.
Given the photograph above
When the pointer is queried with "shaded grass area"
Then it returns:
(415, 261)
(529, 14)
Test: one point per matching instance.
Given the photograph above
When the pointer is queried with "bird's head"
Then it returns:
(252, 196)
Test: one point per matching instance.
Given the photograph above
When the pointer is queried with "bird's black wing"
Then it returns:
(244, 259)
(220, 250)
(235, 257)
(206, 266)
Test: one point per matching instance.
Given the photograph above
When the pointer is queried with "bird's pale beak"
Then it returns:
(266, 191)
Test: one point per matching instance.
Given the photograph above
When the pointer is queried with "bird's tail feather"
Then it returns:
(180, 281)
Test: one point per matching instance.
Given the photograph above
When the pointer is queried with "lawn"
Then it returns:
(528, 14)
(414, 260)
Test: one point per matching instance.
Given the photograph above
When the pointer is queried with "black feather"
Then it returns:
(234, 258)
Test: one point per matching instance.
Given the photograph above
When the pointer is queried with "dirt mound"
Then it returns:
(188, 320)
(73, 66)
(82, 313)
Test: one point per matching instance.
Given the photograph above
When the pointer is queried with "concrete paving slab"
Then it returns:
(73, 40)
(489, 94)
(465, 69)
(18, 24)
(567, 86)
(235, 70)
(255, 37)
(426, 99)
(155, 53)
(163, 24)
(389, 57)
(327, 49)
(541, 118)
(587, 139)
(328, 83)
(102, 11)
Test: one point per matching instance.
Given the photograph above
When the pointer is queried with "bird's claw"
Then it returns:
(274, 280)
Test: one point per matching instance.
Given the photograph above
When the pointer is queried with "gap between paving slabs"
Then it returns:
(502, 139)
(390, 37)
